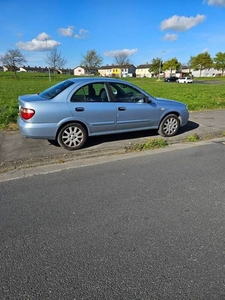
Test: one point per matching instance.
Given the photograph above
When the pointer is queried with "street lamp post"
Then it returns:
(49, 71)
(159, 68)
(160, 60)
(49, 74)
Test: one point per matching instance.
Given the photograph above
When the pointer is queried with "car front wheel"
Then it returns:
(72, 136)
(169, 126)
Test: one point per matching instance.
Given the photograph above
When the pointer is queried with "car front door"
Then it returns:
(133, 112)
(90, 105)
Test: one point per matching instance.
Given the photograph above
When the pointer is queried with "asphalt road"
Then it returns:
(147, 227)
(17, 152)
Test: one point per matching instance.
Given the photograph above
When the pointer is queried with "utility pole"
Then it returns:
(49, 71)
(160, 60)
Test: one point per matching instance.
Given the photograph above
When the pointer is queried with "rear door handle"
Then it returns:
(79, 108)
(122, 108)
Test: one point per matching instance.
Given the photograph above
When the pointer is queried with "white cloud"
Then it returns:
(42, 42)
(181, 23)
(43, 37)
(66, 31)
(82, 34)
(215, 2)
(170, 37)
(116, 52)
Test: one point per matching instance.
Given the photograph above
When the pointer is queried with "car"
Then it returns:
(170, 79)
(75, 109)
(184, 80)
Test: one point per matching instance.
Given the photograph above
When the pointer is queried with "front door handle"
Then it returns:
(79, 109)
(122, 108)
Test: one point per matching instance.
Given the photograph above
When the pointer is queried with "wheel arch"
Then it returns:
(166, 129)
(70, 122)
(169, 113)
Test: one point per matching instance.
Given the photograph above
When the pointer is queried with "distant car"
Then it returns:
(72, 110)
(185, 80)
(170, 79)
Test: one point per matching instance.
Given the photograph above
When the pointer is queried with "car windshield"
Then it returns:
(56, 89)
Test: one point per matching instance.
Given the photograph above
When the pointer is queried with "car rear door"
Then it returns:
(99, 115)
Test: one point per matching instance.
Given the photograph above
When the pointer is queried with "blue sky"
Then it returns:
(145, 29)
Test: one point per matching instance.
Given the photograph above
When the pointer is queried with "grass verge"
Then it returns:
(193, 138)
(150, 144)
(196, 96)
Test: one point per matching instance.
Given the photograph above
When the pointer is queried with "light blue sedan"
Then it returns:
(72, 110)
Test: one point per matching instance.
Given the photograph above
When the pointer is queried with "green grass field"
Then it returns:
(196, 96)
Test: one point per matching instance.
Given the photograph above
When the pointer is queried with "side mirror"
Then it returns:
(146, 99)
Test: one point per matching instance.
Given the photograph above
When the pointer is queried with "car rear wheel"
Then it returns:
(72, 136)
(169, 125)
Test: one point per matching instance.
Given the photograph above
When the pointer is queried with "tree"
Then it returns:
(13, 59)
(121, 58)
(155, 66)
(219, 61)
(55, 60)
(92, 60)
(201, 62)
(172, 64)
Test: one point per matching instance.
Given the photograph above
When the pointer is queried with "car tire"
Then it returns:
(72, 136)
(169, 126)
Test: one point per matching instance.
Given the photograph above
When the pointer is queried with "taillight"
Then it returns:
(26, 113)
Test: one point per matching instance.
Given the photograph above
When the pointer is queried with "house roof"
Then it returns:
(145, 66)
(85, 68)
(28, 68)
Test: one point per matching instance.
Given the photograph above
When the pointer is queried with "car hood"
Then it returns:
(168, 102)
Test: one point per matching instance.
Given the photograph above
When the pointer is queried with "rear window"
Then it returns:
(56, 89)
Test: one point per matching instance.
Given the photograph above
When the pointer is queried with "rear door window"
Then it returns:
(95, 92)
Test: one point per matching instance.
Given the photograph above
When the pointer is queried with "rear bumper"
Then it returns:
(37, 131)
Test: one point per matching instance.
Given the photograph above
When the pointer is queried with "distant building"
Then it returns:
(5, 69)
(128, 70)
(207, 73)
(84, 71)
(40, 70)
(143, 71)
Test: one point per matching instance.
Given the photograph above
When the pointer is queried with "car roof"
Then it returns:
(88, 80)
(78, 80)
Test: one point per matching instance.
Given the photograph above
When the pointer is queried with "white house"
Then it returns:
(105, 71)
(84, 71)
(143, 71)
(207, 73)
